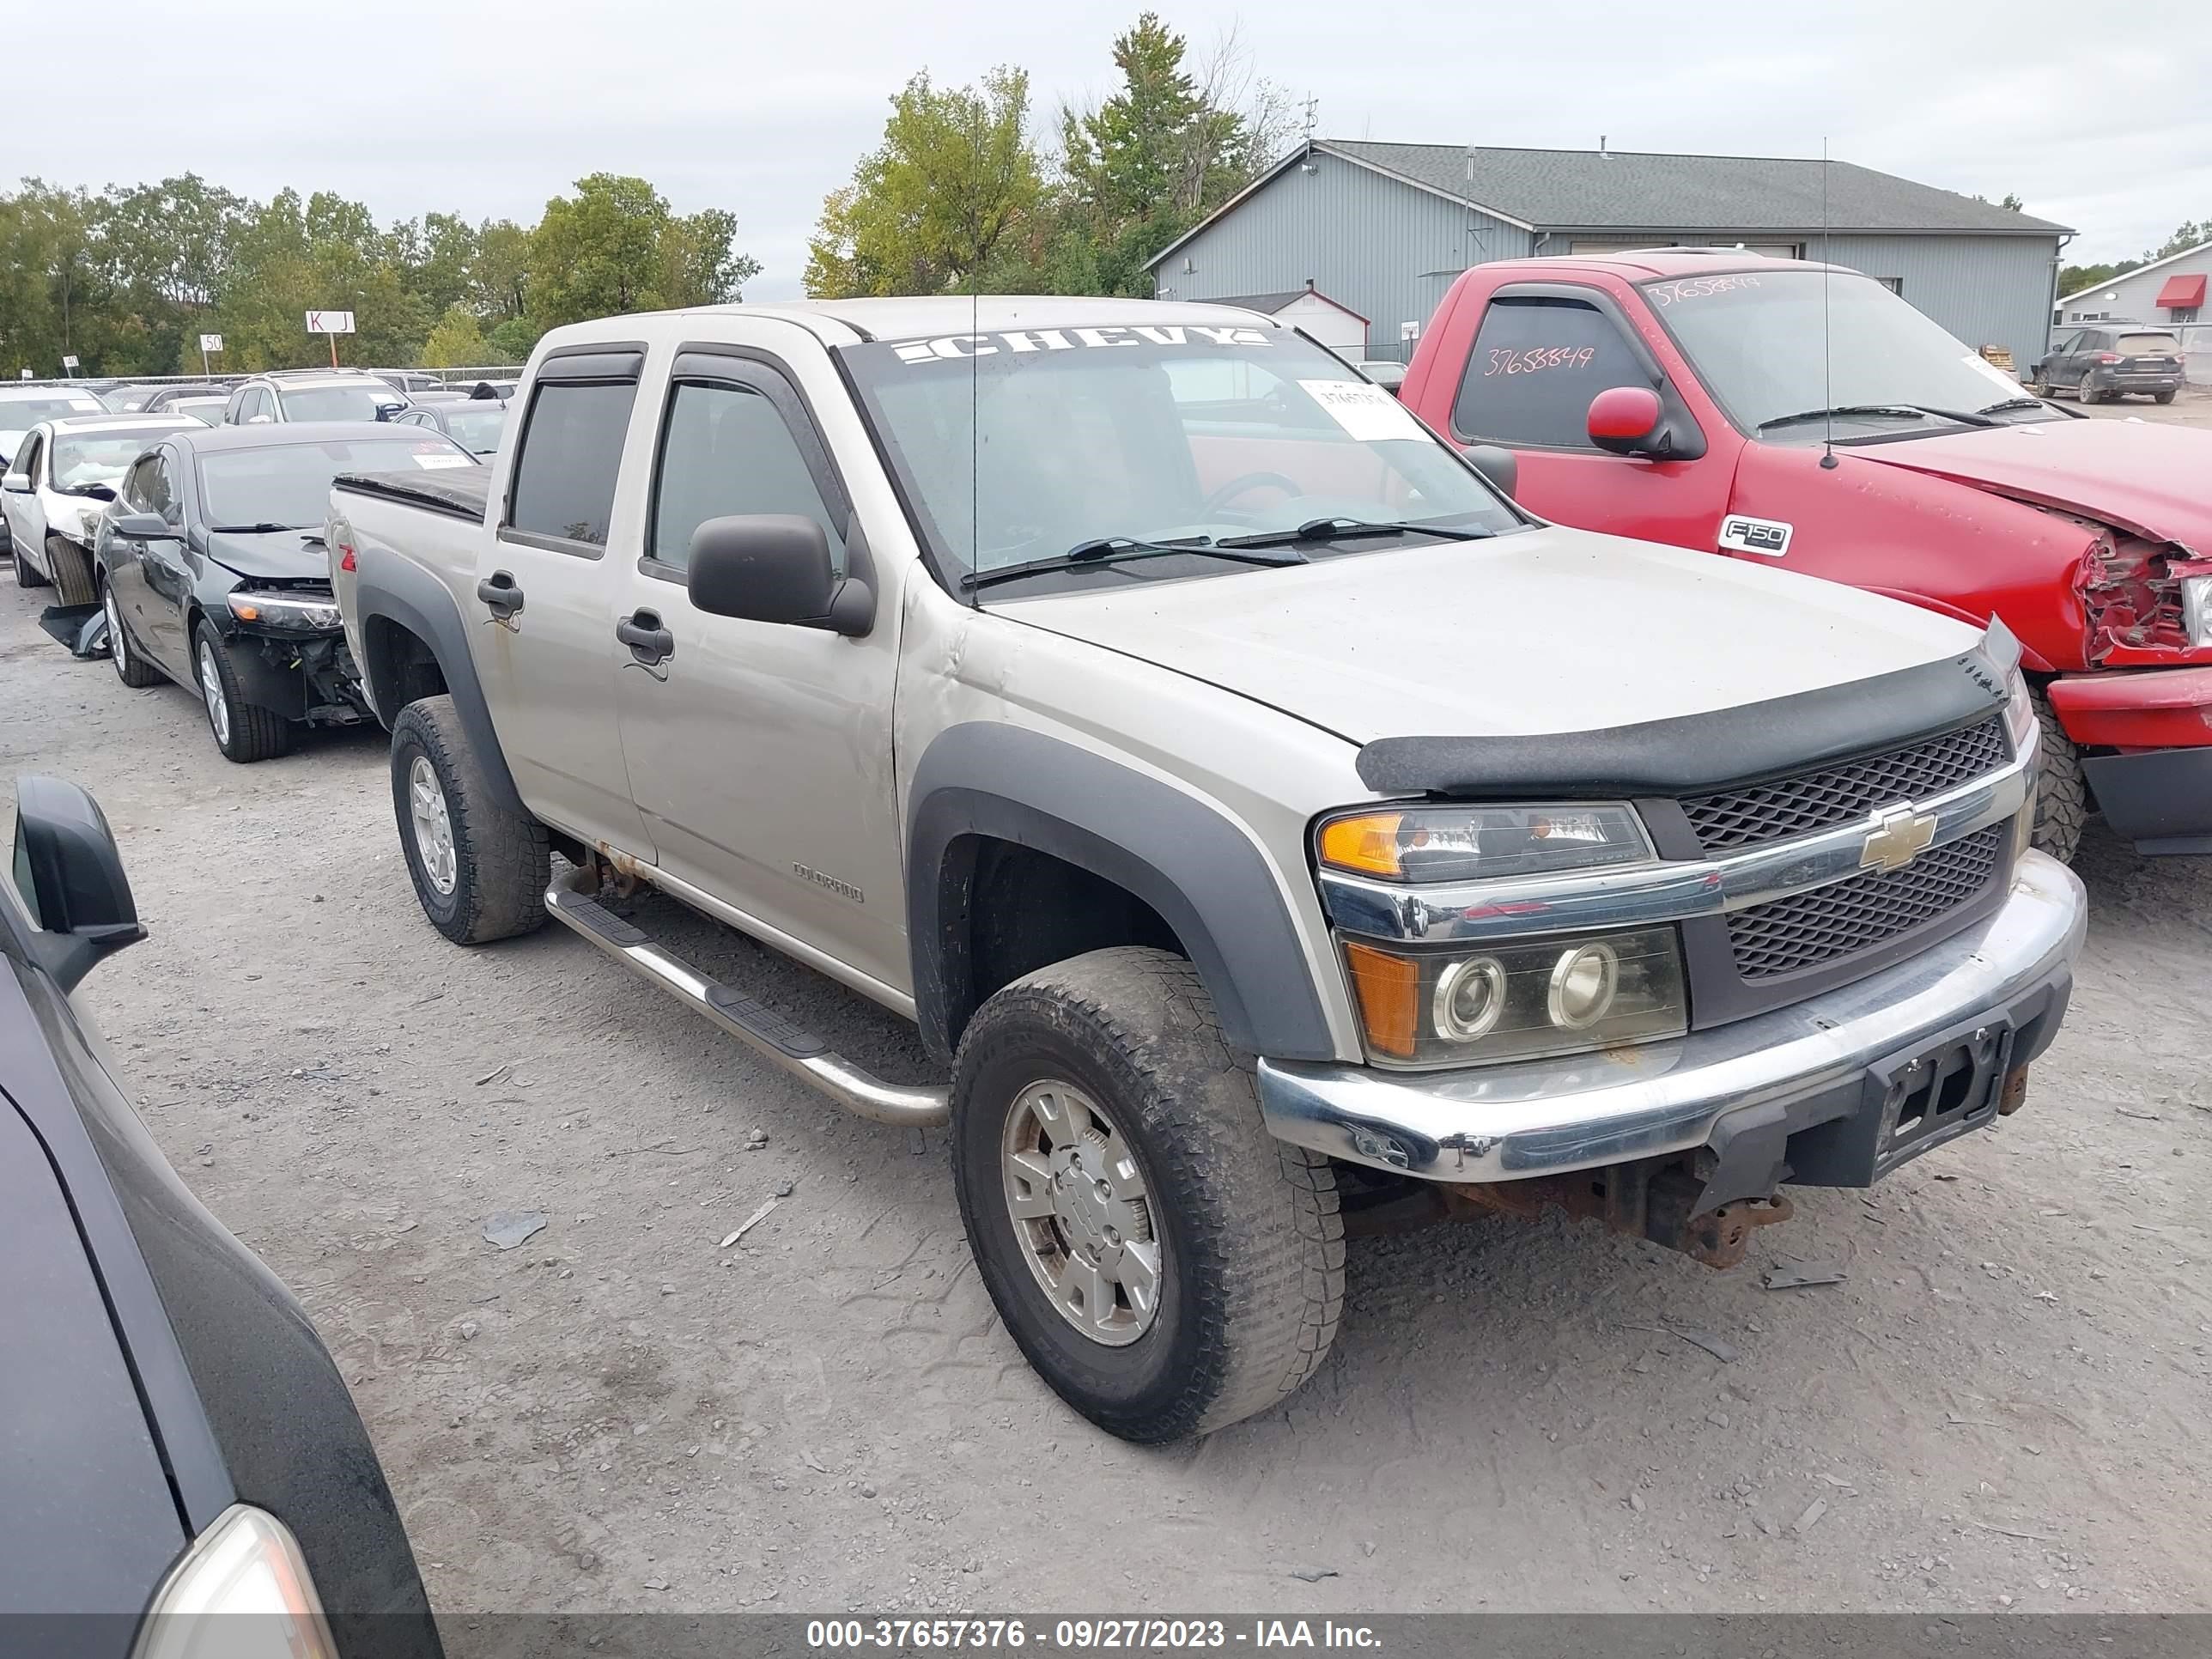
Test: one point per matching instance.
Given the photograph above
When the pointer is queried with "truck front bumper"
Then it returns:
(1827, 1065)
(2157, 792)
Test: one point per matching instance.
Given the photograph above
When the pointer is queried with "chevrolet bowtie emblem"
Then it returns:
(1900, 835)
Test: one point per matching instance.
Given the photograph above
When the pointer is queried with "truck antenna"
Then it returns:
(1827, 362)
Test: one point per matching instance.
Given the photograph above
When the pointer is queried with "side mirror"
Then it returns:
(70, 877)
(775, 568)
(144, 528)
(17, 482)
(386, 412)
(1500, 466)
(1623, 419)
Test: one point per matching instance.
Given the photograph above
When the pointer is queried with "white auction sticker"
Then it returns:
(1363, 409)
(438, 463)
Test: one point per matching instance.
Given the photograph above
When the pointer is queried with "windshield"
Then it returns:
(337, 402)
(289, 484)
(21, 414)
(207, 411)
(477, 429)
(1025, 445)
(97, 457)
(1755, 339)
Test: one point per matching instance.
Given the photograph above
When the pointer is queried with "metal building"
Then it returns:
(2170, 291)
(1382, 230)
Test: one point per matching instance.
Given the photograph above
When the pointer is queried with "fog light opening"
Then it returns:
(1469, 1000)
(1584, 982)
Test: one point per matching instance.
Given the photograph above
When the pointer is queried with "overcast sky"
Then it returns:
(487, 110)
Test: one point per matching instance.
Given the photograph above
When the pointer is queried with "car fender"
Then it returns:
(392, 588)
(1185, 858)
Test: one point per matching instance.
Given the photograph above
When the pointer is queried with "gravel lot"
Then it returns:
(2003, 1405)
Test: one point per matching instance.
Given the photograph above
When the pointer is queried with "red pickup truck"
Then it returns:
(1805, 416)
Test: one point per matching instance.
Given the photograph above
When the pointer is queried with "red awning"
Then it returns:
(2182, 292)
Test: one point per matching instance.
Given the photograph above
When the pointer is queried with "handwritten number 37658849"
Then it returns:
(1537, 359)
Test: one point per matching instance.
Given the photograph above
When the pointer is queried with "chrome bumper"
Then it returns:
(1547, 1117)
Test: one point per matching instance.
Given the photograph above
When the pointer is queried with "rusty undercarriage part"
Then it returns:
(1651, 1199)
(2014, 1096)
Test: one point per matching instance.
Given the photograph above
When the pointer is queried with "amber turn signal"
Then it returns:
(1388, 988)
(1369, 844)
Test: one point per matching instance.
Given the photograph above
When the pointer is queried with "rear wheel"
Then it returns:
(2087, 393)
(245, 732)
(132, 669)
(479, 870)
(2161, 396)
(72, 569)
(1165, 1264)
(2062, 797)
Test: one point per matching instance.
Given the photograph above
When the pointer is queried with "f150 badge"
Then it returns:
(1768, 537)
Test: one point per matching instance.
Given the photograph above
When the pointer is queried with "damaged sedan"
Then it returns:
(211, 569)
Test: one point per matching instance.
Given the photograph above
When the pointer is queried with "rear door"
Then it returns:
(760, 753)
(542, 613)
(1540, 353)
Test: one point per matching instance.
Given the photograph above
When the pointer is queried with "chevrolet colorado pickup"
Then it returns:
(1270, 828)
(1778, 411)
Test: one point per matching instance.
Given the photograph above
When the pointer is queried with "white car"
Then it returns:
(22, 407)
(60, 481)
(344, 395)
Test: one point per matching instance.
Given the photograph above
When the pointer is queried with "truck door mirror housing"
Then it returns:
(1624, 418)
(69, 874)
(1498, 464)
(775, 568)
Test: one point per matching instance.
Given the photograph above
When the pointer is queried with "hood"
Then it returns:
(2138, 475)
(276, 556)
(1542, 631)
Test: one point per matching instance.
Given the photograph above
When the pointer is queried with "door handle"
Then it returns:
(648, 640)
(500, 594)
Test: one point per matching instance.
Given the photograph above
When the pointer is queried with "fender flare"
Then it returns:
(1201, 873)
(391, 588)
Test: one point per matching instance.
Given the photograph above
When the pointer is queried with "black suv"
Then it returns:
(2111, 360)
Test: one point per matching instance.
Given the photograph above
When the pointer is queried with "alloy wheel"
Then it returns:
(1081, 1212)
(434, 826)
(218, 706)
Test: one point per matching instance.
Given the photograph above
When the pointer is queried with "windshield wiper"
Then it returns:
(1906, 411)
(1337, 530)
(1112, 550)
(265, 528)
(1999, 408)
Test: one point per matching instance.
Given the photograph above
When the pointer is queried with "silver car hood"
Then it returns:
(1548, 630)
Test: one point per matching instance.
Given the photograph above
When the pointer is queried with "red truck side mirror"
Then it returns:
(1622, 417)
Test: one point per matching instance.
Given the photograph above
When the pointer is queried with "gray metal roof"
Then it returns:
(1628, 190)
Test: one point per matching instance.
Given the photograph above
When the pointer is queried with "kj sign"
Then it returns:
(330, 322)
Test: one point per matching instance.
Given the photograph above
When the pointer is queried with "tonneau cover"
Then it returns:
(460, 492)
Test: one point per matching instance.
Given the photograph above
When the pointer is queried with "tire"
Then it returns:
(1247, 1237)
(2087, 393)
(487, 881)
(245, 732)
(2161, 396)
(2039, 389)
(131, 668)
(25, 575)
(72, 569)
(2062, 799)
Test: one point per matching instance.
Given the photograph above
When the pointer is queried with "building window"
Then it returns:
(2181, 314)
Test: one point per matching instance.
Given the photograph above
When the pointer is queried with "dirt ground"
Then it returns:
(2003, 1405)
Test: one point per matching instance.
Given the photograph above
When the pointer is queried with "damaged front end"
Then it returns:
(295, 634)
(2143, 599)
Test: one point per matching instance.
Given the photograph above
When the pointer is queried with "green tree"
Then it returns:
(615, 246)
(954, 183)
(511, 341)
(458, 342)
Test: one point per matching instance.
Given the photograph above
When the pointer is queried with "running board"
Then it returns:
(759, 1027)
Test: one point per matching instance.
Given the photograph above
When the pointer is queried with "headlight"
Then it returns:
(1472, 843)
(1513, 1000)
(2020, 723)
(2196, 609)
(304, 610)
(241, 1592)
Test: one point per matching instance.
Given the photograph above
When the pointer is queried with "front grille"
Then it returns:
(1828, 922)
(1838, 794)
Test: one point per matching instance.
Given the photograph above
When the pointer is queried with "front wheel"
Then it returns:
(72, 569)
(479, 870)
(1165, 1264)
(245, 732)
(2062, 797)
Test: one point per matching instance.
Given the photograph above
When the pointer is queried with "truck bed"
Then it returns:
(460, 492)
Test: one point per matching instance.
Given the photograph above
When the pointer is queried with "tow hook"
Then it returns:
(1651, 1199)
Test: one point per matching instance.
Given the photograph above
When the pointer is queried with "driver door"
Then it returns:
(27, 516)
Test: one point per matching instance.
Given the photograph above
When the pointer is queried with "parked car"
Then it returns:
(165, 397)
(268, 399)
(408, 381)
(1122, 690)
(22, 407)
(180, 1447)
(475, 423)
(128, 397)
(207, 411)
(1385, 372)
(212, 566)
(1784, 413)
(53, 492)
(2105, 361)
